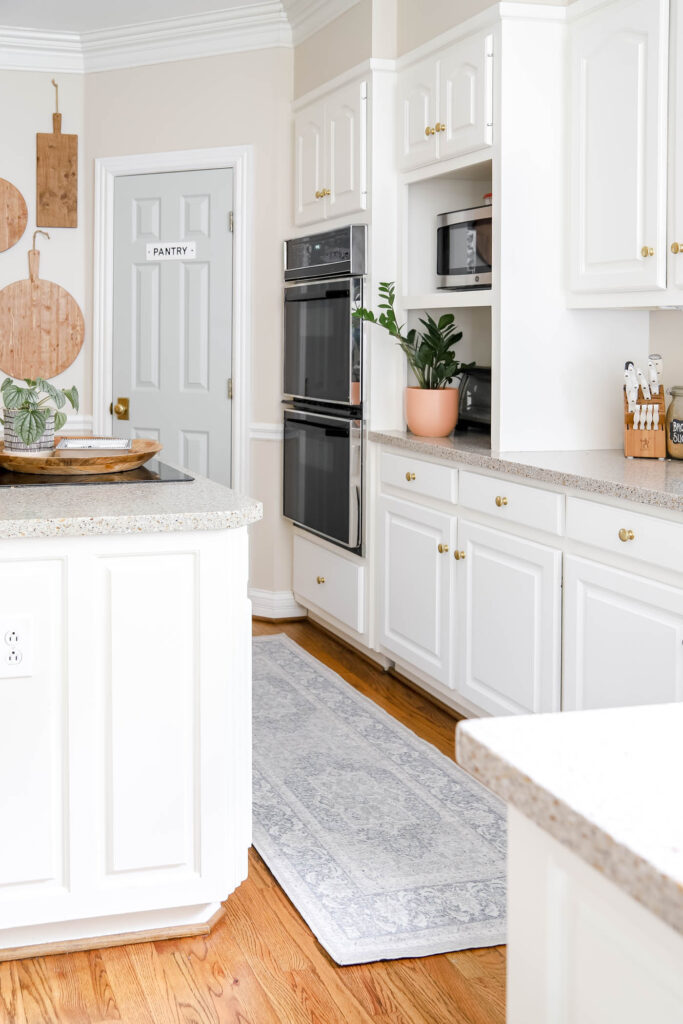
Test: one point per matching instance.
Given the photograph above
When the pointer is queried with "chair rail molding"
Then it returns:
(266, 432)
(107, 169)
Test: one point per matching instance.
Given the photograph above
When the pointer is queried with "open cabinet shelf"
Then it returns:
(448, 299)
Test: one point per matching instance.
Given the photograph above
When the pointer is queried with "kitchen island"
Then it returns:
(595, 860)
(125, 686)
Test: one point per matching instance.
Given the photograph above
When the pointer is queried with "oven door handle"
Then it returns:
(314, 417)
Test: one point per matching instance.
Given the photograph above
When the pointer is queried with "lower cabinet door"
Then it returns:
(623, 638)
(414, 571)
(508, 602)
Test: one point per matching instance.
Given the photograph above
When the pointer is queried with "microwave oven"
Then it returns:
(464, 248)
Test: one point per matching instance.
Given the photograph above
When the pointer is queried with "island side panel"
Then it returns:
(152, 736)
(579, 948)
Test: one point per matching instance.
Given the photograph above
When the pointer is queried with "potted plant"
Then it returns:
(431, 407)
(32, 413)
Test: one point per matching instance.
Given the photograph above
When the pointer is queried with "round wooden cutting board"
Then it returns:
(41, 326)
(72, 462)
(13, 215)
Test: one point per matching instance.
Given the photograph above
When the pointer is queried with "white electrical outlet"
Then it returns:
(16, 646)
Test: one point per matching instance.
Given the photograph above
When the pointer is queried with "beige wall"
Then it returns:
(341, 45)
(666, 338)
(421, 20)
(26, 106)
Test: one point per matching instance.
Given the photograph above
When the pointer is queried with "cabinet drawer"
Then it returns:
(414, 476)
(512, 502)
(330, 582)
(646, 538)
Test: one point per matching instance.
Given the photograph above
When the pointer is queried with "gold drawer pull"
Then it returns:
(626, 535)
(320, 579)
(443, 549)
(676, 247)
(410, 476)
(646, 251)
(501, 501)
(430, 131)
(458, 555)
(440, 127)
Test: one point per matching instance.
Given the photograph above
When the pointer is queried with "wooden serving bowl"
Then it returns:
(75, 463)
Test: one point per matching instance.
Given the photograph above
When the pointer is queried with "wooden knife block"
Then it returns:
(645, 444)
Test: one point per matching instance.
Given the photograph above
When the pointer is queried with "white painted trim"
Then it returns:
(27, 49)
(107, 169)
(373, 65)
(308, 16)
(266, 431)
(275, 604)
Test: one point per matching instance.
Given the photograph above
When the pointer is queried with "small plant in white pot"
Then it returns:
(33, 413)
(431, 406)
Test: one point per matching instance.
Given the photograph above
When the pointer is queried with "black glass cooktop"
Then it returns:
(154, 472)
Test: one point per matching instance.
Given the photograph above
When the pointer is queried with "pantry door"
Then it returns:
(172, 339)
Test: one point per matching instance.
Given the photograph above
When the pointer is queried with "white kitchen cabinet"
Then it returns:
(623, 638)
(445, 103)
(507, 641)
(618, 138)
(414, 578)
(331, 582)
(330, 153)
(675, 254)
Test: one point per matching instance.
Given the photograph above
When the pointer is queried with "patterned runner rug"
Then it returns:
(386, 847)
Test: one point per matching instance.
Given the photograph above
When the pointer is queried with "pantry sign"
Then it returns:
(171, 251)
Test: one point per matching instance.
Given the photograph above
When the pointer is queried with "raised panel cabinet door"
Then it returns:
(465, 113)
(623, 638)
(309, 135)
(508, 594)
(618, 139)
(417, 136)
(675, 276)
(414, 584)
(346, 150)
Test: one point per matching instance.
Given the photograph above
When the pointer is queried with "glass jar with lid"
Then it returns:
(674, 423)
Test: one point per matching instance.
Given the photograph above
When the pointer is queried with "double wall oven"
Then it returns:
(323, 385)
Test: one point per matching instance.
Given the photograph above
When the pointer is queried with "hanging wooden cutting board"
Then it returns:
(13, 215)
(56, 176)
(41, 325)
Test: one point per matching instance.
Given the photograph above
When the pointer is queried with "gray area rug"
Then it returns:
(386, 847)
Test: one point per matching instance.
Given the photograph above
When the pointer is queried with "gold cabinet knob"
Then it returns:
(430, 131)
(458, 555)
(500, 501)
(626, 535)
(676, 247)
(440, 127)
(325, 192)
(318, 194)
(320, 579)
(410, 476)
(647, 251)
(443, 549)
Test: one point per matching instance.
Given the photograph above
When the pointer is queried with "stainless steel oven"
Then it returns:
(464, 248)
(323, 475)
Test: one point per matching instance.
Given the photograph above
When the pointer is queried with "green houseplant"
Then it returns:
(33, 413)
(431, 406)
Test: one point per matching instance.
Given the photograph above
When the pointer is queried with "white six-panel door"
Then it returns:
(465, 112)
(618, 148)
(507, 629)
(623, 638)
(415, 600)
(172, 341)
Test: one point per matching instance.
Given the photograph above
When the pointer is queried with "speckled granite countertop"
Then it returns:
(606, 784)
(607, 473)
(105, 509)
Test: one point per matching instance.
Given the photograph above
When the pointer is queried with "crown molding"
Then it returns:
(308, 16)
(249, 27)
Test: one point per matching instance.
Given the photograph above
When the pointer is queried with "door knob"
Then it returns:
(676, 247)
(430, 131)
(647, 251)
(121, 410)
(458, 555)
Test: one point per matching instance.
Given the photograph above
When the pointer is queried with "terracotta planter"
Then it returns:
(431, 413)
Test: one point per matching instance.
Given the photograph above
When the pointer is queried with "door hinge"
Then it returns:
(231, 221)
(229, 387)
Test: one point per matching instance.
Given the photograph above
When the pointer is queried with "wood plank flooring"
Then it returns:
(261, 964)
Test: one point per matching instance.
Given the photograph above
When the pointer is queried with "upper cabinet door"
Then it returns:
(309, 130)
(676, 184)
(345, 146)
(619, 68)
(417, 115)
(465, 121)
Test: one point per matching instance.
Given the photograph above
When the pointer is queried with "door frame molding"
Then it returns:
(107, 169)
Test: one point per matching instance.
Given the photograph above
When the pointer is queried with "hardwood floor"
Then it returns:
(261, 964)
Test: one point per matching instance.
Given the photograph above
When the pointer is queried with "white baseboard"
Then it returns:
(275, 604)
